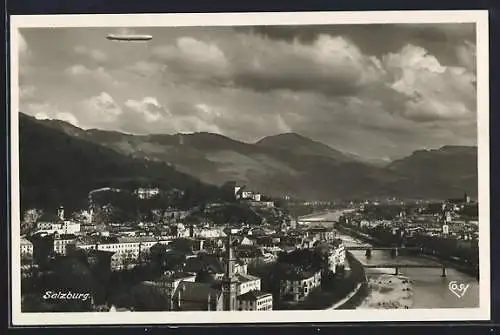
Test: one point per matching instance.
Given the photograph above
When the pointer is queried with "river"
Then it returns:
(428, 288)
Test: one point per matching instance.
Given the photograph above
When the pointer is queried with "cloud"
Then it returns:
(331, 65)
(434, 92)
(22, 45)
(41, 110)
(46, 111)
(68, 117)
(101, 109)
(466, 54)
(94, 54)
(27, 92)
(192, 124)
(149, 108)
(25, 56)
(78, 70)
(208, 112)
(100, 74)
(42, 116)
(150, 116)
(439, 39)
(194, 51)
(198, 58)
(283, 127)
(147, 69)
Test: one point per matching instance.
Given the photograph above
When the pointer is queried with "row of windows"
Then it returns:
(265, 301)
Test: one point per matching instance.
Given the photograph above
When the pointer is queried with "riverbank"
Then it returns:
(388, 291)
(380, 290)
(359, 293)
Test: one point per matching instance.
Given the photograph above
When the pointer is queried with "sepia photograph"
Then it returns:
(249, 168)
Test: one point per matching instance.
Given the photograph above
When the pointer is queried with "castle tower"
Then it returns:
(229, 283)
(60, 213)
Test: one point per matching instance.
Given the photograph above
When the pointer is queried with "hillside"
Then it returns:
(294, 165)
(453, 168)
(59, 169)
(303, 146)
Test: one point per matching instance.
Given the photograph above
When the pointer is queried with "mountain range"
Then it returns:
(276, 165)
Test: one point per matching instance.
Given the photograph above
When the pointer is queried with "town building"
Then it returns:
(336, 254)
(247, 195)
(62, 241)
(255, 301)
(296, 285)
(261, 204)
(126, 250)
(170, 281)
(247, 283)
(49, 226)
(245, 241)
(147, 193)
(320, 234)
(26, 248)
(69, 227)
(206, 232)
(237, 192)
(194, 296)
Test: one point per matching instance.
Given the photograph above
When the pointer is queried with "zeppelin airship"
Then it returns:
(130, 38)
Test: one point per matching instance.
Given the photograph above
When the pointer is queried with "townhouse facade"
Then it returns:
(254, 301)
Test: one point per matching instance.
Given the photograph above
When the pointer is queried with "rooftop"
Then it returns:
(25, 241)
(207, 262)
(65, 237)
(253, 295)
(93, 252)
(243, 278)
(136, 239)
(176, 275)
(196, 292)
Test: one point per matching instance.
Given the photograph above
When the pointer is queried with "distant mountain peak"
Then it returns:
(446, 149)
(284, 136)
(303, 145)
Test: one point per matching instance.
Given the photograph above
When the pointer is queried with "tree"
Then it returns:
(204, 276)
(149, 298)
(182, 245)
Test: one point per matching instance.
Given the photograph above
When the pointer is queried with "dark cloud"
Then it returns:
(378, 39)
(331, 65)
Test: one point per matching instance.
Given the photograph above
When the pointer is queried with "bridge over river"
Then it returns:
(430, 290)
(398, 266)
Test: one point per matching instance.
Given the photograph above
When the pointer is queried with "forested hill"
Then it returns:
(57, 169)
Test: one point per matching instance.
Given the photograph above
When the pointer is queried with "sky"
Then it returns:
(378, 91)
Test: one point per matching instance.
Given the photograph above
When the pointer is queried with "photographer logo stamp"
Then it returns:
(457, 288)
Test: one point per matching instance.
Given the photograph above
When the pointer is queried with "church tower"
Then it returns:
(229, 283)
